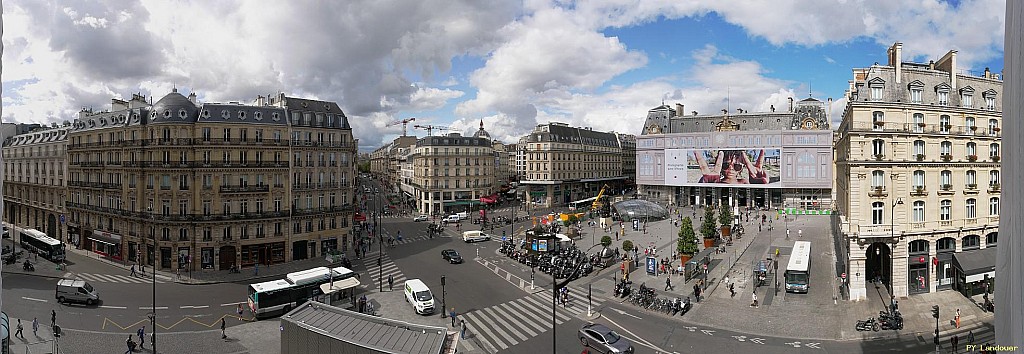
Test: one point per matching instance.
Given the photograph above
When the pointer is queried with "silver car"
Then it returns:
(603, 339)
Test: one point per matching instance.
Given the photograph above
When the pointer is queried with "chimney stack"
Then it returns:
(679, 109)
(773, 108)
(192, 97)
(988, 74)
(791, 104)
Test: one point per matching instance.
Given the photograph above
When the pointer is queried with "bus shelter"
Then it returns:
(545, 243)
(695, 266)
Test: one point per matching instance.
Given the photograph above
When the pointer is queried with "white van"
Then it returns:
(475, 236)
(418, 294)
(69, 290)
(463, 215)
(452, 218)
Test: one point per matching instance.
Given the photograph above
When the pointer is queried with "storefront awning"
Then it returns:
(462, 202)
(975, 264)
(339, 285)
(104, 239)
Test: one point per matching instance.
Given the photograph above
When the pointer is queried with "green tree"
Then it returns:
(709, 229)
(606, 241)
(627, 245)
(725, 215)
(687, 243)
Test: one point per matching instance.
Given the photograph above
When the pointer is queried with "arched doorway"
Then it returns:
(227, 257)
(51, 226)
(878, 263)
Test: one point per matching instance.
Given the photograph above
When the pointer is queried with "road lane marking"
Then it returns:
(637, 338)
(113, 307)
(234, 303)
(33, 299)
(150, 308)
(194, 306)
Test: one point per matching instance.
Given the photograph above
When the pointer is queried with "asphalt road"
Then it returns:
(125, 304)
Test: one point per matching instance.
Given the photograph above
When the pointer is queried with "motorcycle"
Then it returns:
(28, 266)
(867, 325)
(889, 321)
(685, 306)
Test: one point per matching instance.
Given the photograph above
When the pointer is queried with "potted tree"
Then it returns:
(627, 246)
(687, 243)
(709, 229)
(606, 241)
(725, 220)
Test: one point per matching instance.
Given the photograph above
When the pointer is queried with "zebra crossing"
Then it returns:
(505, 325)
(380, 274)
(114, 278)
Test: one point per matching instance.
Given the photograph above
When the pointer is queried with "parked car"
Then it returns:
(452, 256)
(421, 218)
(475, 236)
(603, 339)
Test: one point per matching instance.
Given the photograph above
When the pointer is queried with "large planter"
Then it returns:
(709, 242)
(683, 258)
(726, 230)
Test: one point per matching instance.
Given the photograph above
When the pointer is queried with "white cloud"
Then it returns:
(429, 98)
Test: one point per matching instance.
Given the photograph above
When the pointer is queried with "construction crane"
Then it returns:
(430, 128)
(403, 122)
(598, 204)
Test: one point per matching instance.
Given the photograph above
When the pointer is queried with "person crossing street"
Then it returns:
(668, 283)
(142, 336)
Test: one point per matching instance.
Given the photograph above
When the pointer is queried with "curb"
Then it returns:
(33, 274)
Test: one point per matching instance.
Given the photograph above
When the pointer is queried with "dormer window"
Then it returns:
(990, 99)
(967, 97)
(876, 85)
(182, 114)
(942, 92)
(916, 87)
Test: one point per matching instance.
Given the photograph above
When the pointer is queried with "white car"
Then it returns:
(421, 218)
(475, 236)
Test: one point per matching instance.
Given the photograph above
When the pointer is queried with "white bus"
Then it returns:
(46, 246)
(798, 272)
(277, 297)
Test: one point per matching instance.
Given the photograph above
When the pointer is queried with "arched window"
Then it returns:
(993, 149)
(970, 242)
(946, 148)
(993, 206)
(877, 218)
(878, 147)
(971, 208)
(969, 122)
(944, 124)
(918, 211)
(946, 179)
(183, 234)
(972, 149)
(918, 122)
(993, 126)
(919, 148)
(991, 239)
(945, 210)
(918, 179)
(878, 120)
(971, 179)
(918, 247)
(993, 177)
(946, 244)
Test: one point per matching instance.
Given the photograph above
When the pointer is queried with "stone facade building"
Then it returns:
(35, 175)
(183, 184)
(452, 172)
(918, 176)
(562, 164)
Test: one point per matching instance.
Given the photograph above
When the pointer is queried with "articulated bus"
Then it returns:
(46, 246)
(277, 297)
(798, 272)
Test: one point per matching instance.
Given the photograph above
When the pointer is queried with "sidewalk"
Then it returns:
(261, 337)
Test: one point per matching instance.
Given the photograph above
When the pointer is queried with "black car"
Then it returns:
(603, 339)
(452, 256)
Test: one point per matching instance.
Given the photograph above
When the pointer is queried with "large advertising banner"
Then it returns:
(757, 168)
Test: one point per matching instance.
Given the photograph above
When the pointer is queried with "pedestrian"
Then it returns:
(239, 311)
(130, 344)
(142, 336)
(755, 299)
(462, 333)
(970, 337)
(668, 283)
(453, 315)
(957, 318)
(955, 341)
(696, 292)
(391, 282)
(35, 326)
(53, 318)
(20, 328)
(177, 272)
(222, 327)
(133, 271)
(142, 268)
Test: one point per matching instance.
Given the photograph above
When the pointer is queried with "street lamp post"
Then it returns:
(444, 306)
(149, 211)
(892, 250)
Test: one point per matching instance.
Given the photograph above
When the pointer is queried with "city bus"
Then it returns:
(46, 246)
(798, 272)
(277, 297)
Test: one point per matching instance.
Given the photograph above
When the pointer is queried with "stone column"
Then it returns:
(1009, 262)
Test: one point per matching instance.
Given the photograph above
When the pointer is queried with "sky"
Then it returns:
(452, 63)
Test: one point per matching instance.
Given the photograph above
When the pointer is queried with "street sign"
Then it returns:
(61, 218)
(652, 266)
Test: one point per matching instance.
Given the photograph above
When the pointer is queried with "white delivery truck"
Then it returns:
(71, 290)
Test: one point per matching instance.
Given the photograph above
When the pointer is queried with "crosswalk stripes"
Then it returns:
(115, 278)
(380, 274)
(505, 325)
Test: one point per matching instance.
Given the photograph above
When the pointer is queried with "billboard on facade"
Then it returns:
(753, 168)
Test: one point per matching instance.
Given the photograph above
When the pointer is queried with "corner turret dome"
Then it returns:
(482, 133)
(174, 108)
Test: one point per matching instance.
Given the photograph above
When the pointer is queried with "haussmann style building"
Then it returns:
(190, 185)
(917, 182)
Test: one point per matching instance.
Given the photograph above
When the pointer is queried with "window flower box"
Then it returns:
(921, 124)
(920, 157)
(947, 187)
(996, 129)
(879, 157)
(879, 123)
(973, 128)
(972, 157)
(995, 158)
(947, 157)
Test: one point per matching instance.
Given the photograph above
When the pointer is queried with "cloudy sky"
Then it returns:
(513, 64)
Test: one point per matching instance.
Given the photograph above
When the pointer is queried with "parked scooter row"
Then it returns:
(569, 262)
(886, 321)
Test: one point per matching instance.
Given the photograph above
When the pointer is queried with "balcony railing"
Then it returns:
(877, 192)
(993, 187)
(245, 189)
(928, 128)
(919, 191)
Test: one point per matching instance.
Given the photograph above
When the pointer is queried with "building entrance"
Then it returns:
(878, 263)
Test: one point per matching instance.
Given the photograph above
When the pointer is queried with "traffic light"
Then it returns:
(935, 311)
(442, 280)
